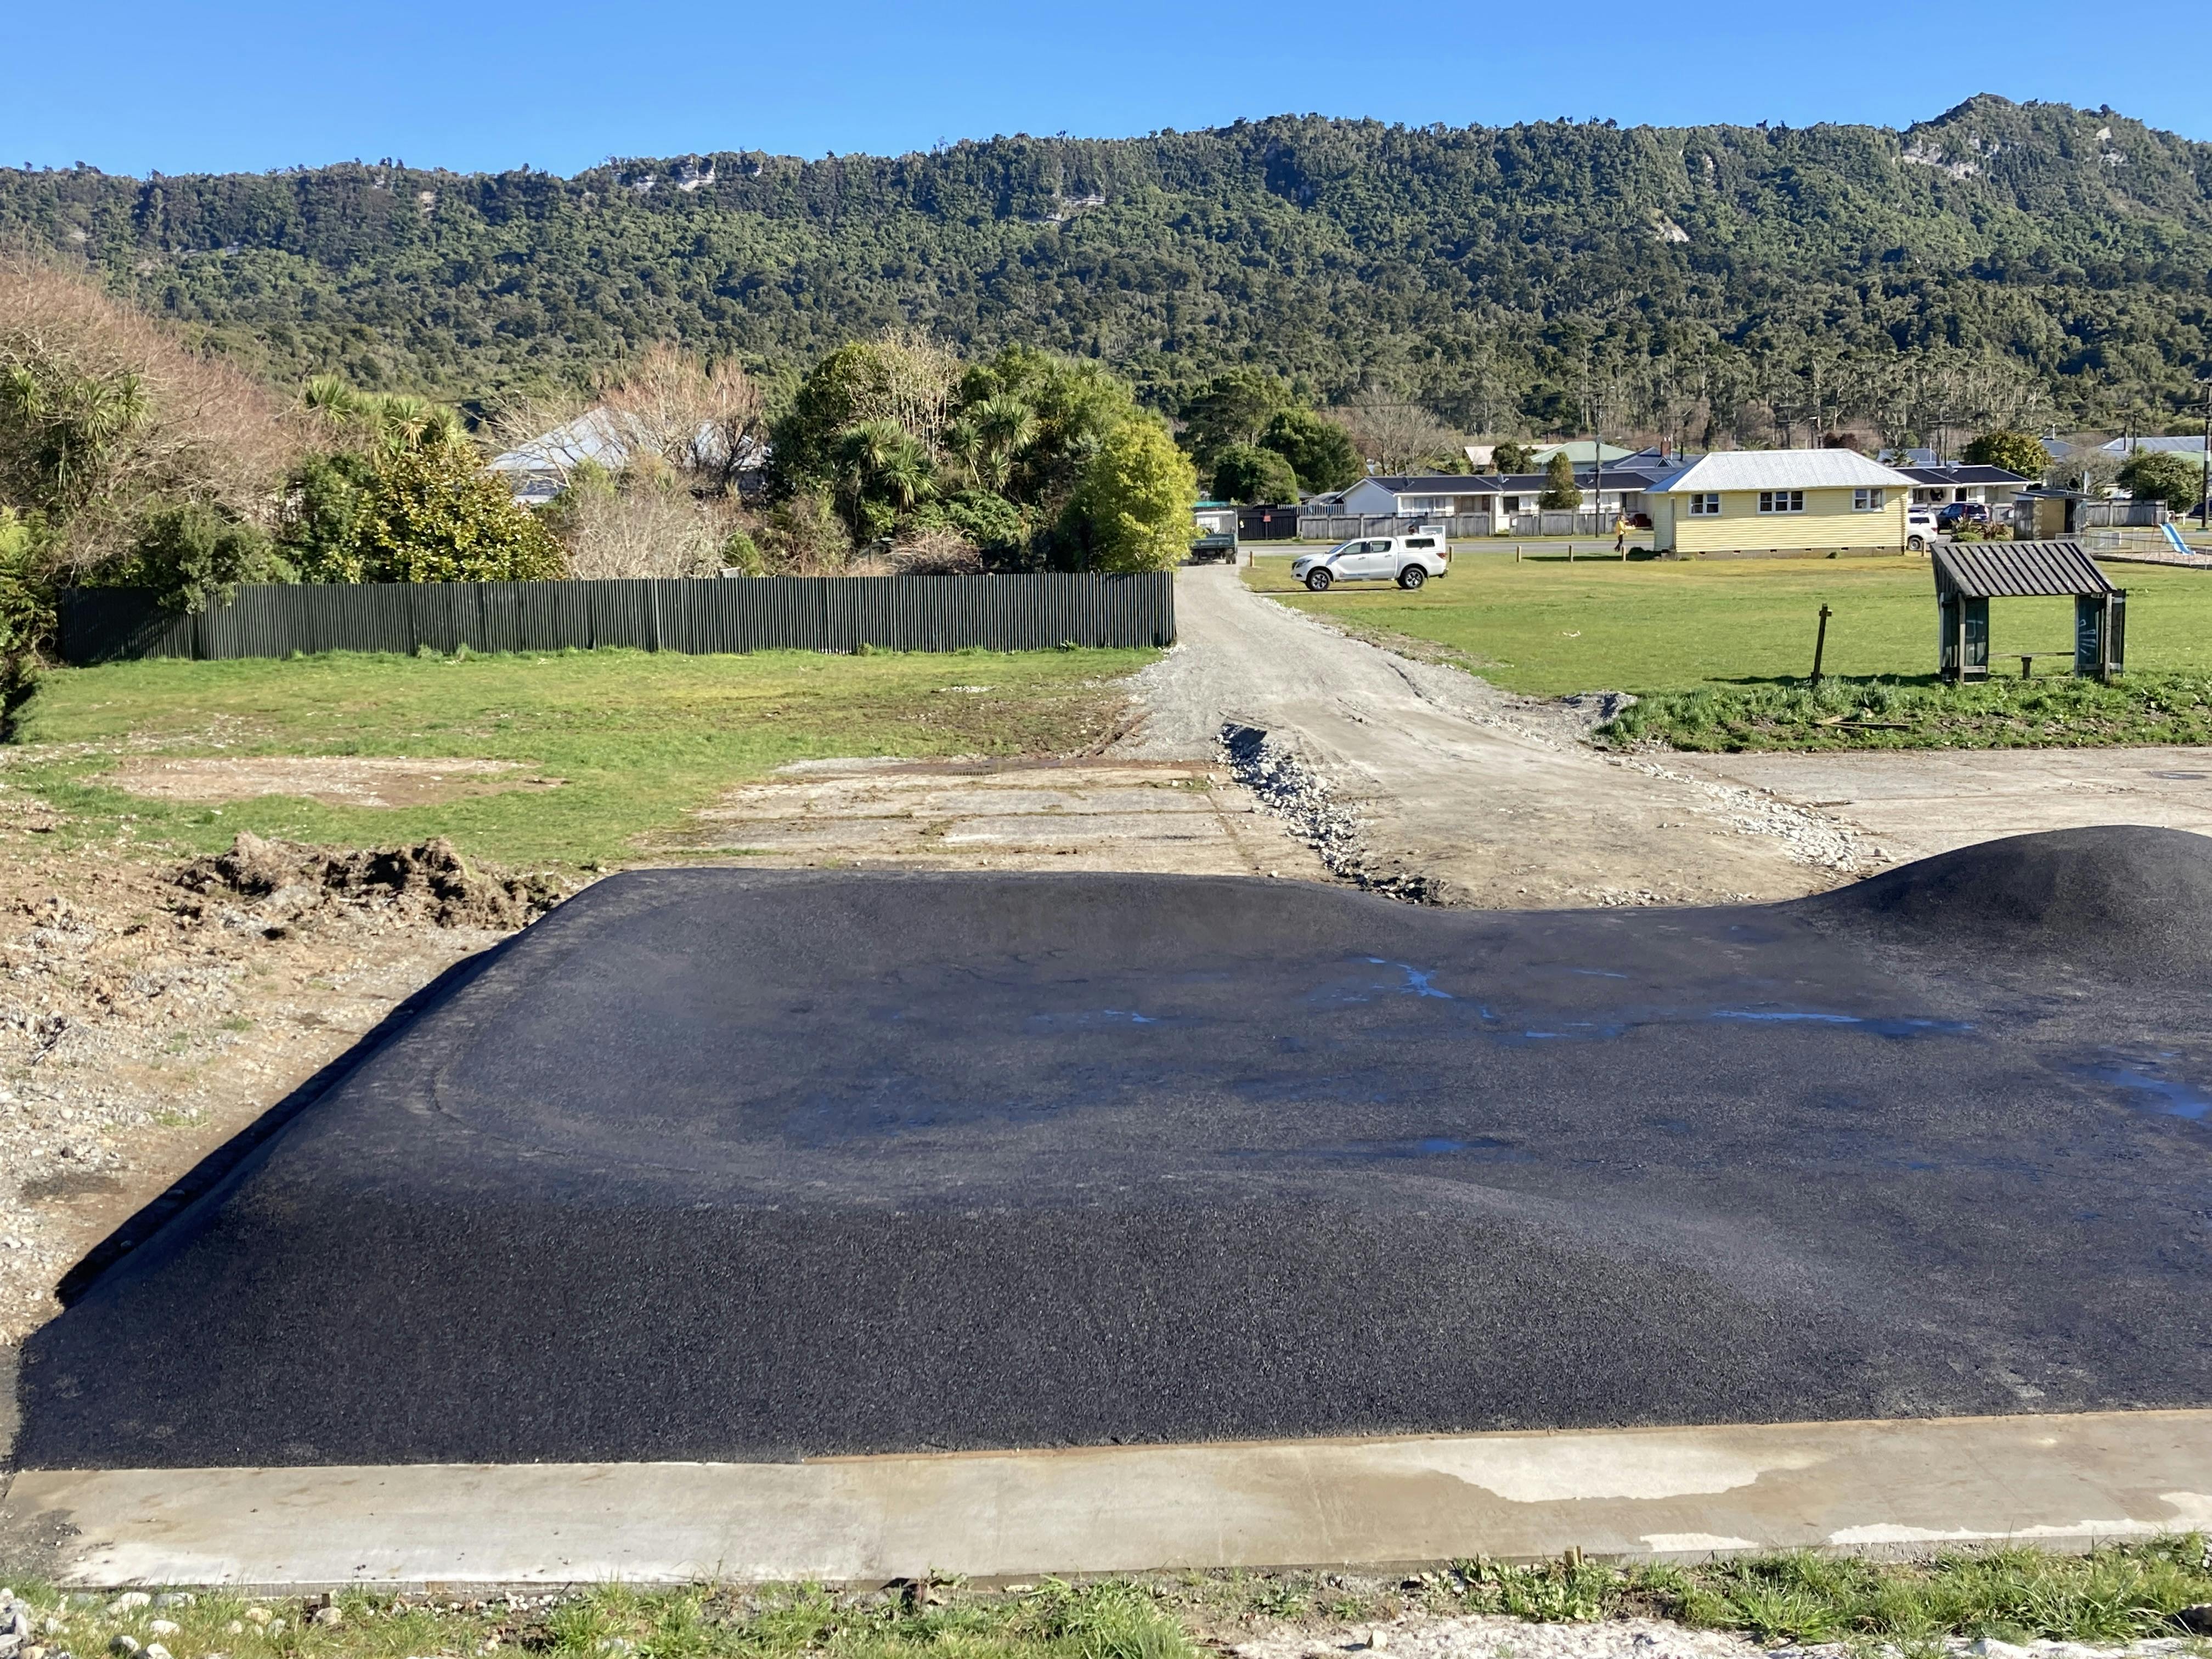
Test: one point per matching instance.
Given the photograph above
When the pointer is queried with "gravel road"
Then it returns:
(1422, 780)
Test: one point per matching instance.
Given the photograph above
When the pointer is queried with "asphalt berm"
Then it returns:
(731, 1165)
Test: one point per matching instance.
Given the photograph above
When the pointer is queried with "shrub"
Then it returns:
(194, 556)
(1132, 510)
(434, 515)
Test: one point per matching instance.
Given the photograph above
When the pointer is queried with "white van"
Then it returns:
(1408, 560)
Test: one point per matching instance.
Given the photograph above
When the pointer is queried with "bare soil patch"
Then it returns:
(149, 1010)
(333, 780)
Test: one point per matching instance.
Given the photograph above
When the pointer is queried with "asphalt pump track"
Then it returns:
(714, 1166)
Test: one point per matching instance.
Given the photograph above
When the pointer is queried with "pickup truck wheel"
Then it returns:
(1411, 577)
(1318, 582)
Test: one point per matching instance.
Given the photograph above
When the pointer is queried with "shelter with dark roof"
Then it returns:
(1969, 574)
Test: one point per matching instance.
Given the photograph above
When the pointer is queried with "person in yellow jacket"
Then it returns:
(1620, 534)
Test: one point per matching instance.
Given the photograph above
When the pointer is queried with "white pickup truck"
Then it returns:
(1408, 561)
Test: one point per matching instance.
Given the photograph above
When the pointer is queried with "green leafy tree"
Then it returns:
(1320, 451)
(1561, 492)
(2013, 450)
(1074, 405)
(1132, 510)
(193, 556)
(319, 531)
(1511, 457)
(1233, 409)
(903, 382)
(27, 610)
(1246, 472)
(2163, 475)
(435, 515)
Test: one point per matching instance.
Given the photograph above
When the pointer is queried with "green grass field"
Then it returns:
(638, 739)
(1550, 628)
(1720, 653)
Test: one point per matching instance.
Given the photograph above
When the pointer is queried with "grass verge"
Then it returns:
(1877, 714)
(2110, 1596)
(638, 739)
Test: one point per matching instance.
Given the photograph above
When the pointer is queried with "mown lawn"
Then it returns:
(638, 739)
(1550, 628)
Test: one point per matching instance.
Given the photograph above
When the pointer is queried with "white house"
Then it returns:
(1500, 498)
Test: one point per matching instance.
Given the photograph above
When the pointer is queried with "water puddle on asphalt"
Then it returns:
(2168, 1096)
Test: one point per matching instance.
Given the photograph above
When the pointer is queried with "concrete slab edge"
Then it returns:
(2064, 1482)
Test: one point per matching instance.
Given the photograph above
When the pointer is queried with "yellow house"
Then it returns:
(1776, 500)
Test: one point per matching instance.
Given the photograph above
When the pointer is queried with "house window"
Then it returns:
(1866, 501)
(1706, 507)
(1425, 503)
(1512, 503)
(1782, 501)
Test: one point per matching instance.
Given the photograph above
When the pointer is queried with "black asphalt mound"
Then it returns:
(734, 1165)
(2124, 899)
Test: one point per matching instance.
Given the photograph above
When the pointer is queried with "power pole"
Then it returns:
(2204, 503)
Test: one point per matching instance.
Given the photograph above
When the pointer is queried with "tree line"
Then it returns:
(2032, 264)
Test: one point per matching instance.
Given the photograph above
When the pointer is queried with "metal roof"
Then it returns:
(1780, 469)
(1966, 473)
(2190, 446)
(1492, 483)
(2017, 570)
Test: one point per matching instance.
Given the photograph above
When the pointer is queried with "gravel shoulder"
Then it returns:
(1421, 780)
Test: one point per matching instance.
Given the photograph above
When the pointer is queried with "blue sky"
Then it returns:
(131, 86)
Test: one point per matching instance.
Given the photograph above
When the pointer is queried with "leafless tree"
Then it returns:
(104, 412)
(1393, 431)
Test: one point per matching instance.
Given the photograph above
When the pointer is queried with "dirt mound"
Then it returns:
(430, 881)
(2122, 899)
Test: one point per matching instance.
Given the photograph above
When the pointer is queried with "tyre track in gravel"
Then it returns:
(1422, 781)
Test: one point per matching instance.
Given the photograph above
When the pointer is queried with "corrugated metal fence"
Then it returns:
(765, 613)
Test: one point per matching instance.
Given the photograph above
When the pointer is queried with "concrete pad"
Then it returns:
(1678, 1493)
(1191, 817)
(1921, 802)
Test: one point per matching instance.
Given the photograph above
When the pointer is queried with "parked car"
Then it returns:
(1920, 530)
(1408, 561)
(1952, 514)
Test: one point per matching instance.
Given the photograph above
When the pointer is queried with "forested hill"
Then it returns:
(2053, 261)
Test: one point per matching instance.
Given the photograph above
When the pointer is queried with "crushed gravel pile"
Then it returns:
(281, 880)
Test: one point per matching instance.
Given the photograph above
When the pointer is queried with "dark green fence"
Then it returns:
(764, 613)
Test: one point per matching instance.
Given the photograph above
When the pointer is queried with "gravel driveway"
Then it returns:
(1423, 781)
